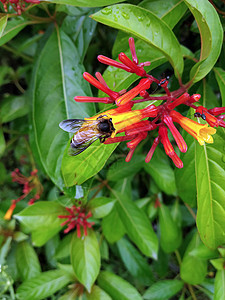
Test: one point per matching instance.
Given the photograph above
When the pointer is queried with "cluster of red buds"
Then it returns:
(135, 124)
(77, 218)
(30, 184)
(17, 5)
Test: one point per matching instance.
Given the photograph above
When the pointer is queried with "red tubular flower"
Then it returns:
(176, 160)
(152, 150)
(182, 99)
(130, 64)
(210, 119)
(217, 111)
(76, 218)
(133, 144)
(176, 134)
(133, 51)
(110, 62)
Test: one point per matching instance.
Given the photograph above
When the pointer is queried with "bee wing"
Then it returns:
(77, 150)
(71, 125)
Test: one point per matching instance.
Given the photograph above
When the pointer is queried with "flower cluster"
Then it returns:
(133, 125)
(17, 5)
(77, 218)
(30, 184)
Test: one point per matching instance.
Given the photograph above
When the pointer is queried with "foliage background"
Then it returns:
(137, 249)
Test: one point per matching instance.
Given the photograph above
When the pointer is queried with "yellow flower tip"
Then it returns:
(205, 135)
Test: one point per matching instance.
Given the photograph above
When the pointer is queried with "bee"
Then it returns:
(87, 132)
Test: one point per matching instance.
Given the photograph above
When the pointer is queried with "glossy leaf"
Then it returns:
(210, 171)
(113, 220)
(97, 294)
(161, 171)
(163, 290)
(135, 262)
(137, 225)
(85, 3)
(170, 234)
(85, 258)
(13, 27)
(211, 36)
(77, 169)
(220, 77)
(43, 285)
(63, 250)
(219, 285)
(146, 26)
(121, 169)
(117, 287)
(57, 78)
(190, 263)
(168, 11)
(101, 206)
(27, 261)
(13, 107)
(3, 23)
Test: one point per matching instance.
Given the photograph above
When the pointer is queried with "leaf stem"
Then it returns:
(192, 292)
(17, 53)
(178, 257)
(190, 211)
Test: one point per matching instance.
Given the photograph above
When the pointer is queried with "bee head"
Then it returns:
(104, 126)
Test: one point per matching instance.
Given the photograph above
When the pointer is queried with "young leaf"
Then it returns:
(219, 292)
(163, 290)
(220, 77)
(138, 227)
(146, 26)
(43, 285)
(85, 258)
(134, 262)
(27, 261)
(210, 168)
(57, 78)
(117, 287)
(97, 294)
(211, 32)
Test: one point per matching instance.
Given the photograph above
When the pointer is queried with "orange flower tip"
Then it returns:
(196, 97)
(9, 212)
(129, 155)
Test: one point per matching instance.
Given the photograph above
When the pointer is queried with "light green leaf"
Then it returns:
(85, 258)
(2, 148)
(101, 206)
(220, 77)
(219, 292)
(146, 26)
(97, 294)
(3, 23)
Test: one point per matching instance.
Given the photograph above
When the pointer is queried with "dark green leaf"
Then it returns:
(12, 108)
(161, 171)
(211, 36)
(219, 285)
(121, 169)
(85, 3)
(27, 261)
(101, 207)
(63, 250)
(146, 26)
(113, 221)
(43, 285)
(97, 294)
(57, 78)
(85, 258)
(220, 77)
(138, 227)
(117, 287)
(2, 147)
(210, 171)
(134, 262)
(3, 23)
(163, 290)
(190, 263)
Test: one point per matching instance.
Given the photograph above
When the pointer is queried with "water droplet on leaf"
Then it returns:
(106, 11)
(125, 15)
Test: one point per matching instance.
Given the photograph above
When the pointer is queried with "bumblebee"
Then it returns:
(87, 132)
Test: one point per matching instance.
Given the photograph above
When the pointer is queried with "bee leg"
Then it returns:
(102, 139)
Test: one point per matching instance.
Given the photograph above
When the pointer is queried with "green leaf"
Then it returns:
(117, 287)
(190, 263)
(13, 27)
(85, 3)
(13, 107)
(210, 171)
(218, 263)
(204, 252)
(134, 262)
(146, 26)
(27, 261)
(42, 220)
(85, 258)
(77, 169)
(211, 36)
(43, 285)
(3, 23)
(101, 207)
(163, 290)
(2, 149)
(57, 78)
(137, 225)
(161, 171)
(113, 220)
(97, 294)
(220, 77)
(219, 292)
(121, 169)
(168, 11)
(170, 234)
(63, 250)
